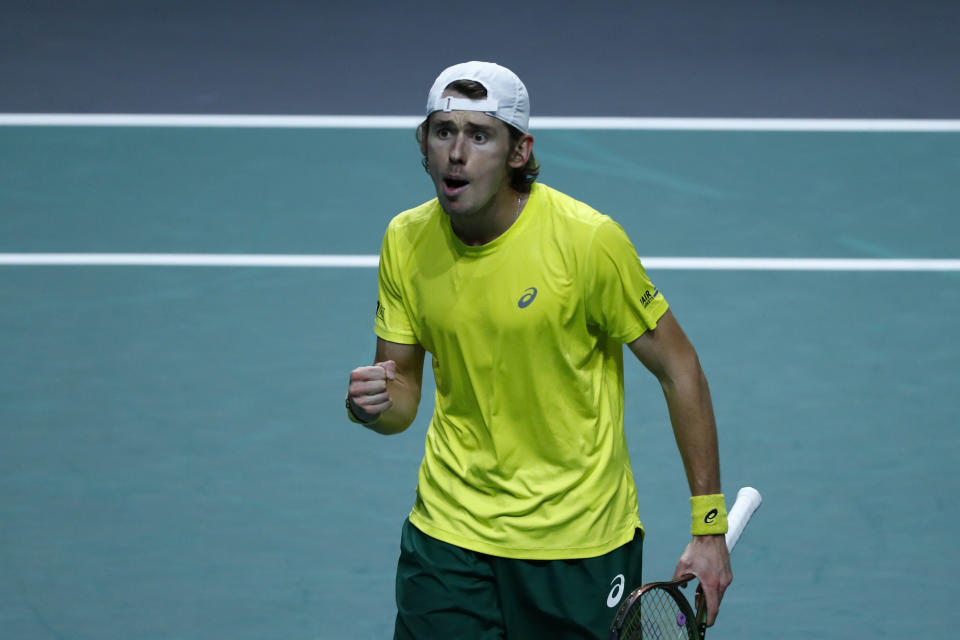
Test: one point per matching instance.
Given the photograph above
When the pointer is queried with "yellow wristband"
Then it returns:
(354, 418)
(708, 515)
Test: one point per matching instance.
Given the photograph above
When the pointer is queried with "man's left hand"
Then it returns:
(707, 559)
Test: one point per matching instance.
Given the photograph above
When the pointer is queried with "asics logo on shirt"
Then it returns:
(613, 598)
(527, 298)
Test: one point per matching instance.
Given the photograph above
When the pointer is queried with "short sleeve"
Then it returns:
(621, 300)
(392, 320)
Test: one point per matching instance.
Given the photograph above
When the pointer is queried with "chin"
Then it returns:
(453, 209)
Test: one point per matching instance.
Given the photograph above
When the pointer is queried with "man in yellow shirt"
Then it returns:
(525, 523)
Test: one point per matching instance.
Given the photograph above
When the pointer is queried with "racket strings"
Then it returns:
(656, 616)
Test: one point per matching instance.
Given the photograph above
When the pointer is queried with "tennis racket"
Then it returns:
(659, 610)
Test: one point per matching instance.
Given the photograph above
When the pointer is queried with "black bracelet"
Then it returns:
(353, 417)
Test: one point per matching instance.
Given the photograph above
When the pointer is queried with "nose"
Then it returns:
(458, 150)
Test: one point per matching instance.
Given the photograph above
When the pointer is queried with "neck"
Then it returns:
(488, 225)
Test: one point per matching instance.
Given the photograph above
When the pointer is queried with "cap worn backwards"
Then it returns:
(506, 100)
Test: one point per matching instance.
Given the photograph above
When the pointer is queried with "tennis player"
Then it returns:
(525, 523)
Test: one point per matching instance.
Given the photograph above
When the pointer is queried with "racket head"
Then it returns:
(656, 610)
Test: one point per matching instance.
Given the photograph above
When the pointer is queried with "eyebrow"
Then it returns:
(483, 128)
(469, 126)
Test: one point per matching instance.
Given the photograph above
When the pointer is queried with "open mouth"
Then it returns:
(454, 186)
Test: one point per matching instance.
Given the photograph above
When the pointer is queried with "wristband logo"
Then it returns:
(711, 516)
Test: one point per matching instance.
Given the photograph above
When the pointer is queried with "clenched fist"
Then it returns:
(367, 393)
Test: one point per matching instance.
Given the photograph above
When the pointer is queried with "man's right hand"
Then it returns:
(368, 392)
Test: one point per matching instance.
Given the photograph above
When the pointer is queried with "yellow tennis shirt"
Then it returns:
(525, 455)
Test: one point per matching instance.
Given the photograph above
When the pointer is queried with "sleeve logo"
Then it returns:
(648, 297)
(380, 311)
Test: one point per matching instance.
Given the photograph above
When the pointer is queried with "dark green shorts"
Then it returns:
(446, 592)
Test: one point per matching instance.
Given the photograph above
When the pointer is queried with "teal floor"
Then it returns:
(174, 457)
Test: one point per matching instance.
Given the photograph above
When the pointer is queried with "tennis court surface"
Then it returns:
(174, 457)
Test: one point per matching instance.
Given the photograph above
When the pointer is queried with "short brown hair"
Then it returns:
(520, 179)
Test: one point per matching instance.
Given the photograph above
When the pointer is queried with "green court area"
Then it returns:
(174, 457)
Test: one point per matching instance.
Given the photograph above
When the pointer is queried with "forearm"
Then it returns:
(384, 396)
(691, 414)
(406, 400)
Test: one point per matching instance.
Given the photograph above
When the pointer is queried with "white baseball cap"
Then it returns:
(506, 99)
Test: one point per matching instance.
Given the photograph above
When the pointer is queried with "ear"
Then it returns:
(422, 137)
(521, 152)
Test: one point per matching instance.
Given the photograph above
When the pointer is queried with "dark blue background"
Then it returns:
(762, 58)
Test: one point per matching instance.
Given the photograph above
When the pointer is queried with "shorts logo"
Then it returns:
(613, 598)
(527, 298)
(711, 516)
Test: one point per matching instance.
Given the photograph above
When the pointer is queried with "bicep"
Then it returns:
(665, 350)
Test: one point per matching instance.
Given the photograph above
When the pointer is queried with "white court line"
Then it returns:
(802, 264)
(536, 122)
(361, 261)
(185, 260)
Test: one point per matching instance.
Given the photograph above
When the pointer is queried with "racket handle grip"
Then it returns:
(748, 499)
